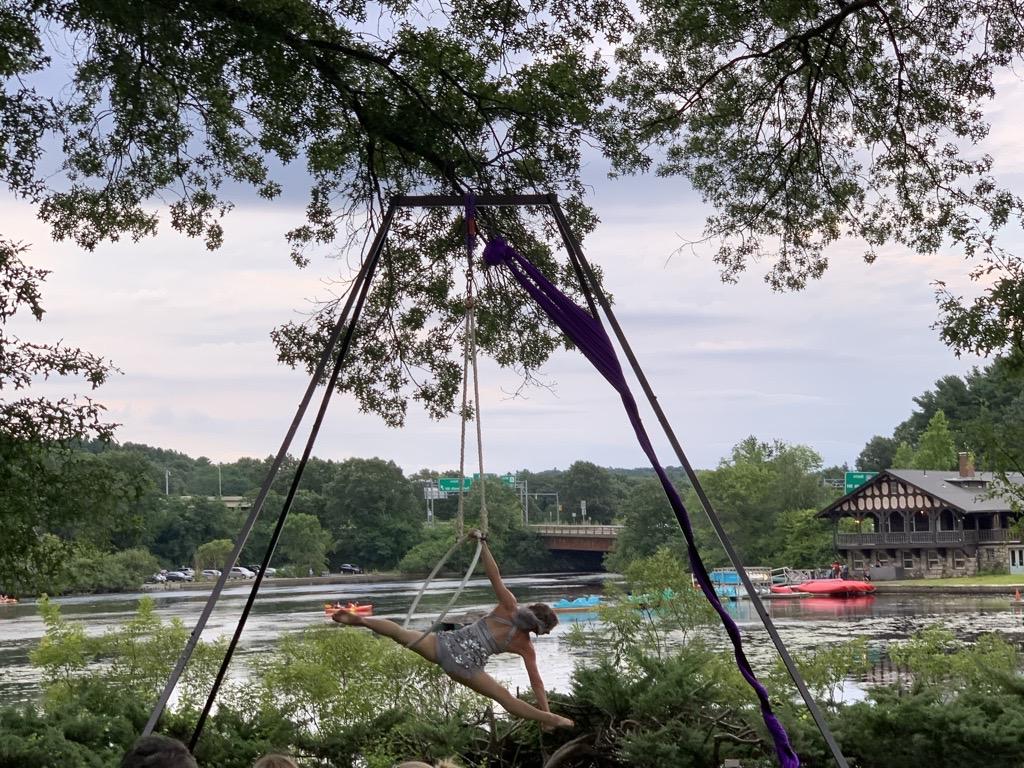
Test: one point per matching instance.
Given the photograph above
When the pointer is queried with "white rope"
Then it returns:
(471, 314)
(455, 596)
(462, 415)
(468, 358)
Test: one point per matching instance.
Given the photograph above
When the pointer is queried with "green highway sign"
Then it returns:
(451, 484)
(855, 480)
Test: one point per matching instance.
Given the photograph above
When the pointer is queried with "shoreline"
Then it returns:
(287, 581)
(881, 588)
(925, 586)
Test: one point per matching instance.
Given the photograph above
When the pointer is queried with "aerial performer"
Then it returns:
(462, 653)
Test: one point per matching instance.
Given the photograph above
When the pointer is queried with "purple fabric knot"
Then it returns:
(496, 252)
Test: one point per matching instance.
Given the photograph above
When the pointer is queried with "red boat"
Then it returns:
(835, 587)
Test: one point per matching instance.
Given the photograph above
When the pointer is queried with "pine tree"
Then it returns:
(936, 449)
(904, 457)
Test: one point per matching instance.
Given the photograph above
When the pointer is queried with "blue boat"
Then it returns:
(587, 603)
(728, 585)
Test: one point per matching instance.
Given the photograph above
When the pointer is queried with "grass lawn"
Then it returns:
(1005, 579)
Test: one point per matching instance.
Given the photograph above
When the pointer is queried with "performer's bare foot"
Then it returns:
(347, 618)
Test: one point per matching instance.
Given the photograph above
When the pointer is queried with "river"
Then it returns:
(802, 623)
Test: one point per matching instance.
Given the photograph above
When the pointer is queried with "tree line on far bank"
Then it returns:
(109, 516)
(102, 517)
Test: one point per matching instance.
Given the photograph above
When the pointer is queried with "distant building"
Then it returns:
(928, 523)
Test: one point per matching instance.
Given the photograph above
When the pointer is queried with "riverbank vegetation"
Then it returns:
(119, 513)
(658, 689)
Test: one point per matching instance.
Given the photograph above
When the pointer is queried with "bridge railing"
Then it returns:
(577, 530)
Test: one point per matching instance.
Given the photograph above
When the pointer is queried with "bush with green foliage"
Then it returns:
(659, 690)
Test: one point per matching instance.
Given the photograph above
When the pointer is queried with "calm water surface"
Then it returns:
(802, 623)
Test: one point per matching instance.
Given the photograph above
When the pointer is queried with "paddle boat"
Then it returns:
(646, 600)
(835, 587)
(588, 603)
(729, 585)
(366, 609)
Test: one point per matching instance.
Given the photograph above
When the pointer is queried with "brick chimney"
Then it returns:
(966, 465)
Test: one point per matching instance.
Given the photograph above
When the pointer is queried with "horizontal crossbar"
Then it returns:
(445, 201)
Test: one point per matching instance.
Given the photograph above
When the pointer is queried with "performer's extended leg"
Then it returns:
(427, 647)
(481, 682)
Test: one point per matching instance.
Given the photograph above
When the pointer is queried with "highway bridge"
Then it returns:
(578, 538)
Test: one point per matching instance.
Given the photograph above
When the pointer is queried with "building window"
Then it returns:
(908, 560)
(858, 564)
(933, 558)
(959, 559)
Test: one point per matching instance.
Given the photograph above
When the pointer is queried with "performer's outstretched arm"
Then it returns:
(536, 682)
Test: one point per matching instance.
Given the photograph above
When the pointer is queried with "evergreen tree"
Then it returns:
(904, 457)
(936, 449)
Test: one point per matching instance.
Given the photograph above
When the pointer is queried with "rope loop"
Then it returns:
(455, 596)
(469, 361)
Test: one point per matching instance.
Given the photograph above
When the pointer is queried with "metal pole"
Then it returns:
(363, 290)
(257, 507)
(576, 253)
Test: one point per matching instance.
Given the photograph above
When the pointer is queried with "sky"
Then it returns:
(828, 367)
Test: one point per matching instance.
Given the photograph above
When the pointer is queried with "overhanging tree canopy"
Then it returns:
(800, 123)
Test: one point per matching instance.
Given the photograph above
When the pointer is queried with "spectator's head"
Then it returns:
(156, 751)
(275, 761)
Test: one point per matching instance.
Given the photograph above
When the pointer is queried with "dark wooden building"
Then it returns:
(928, 523)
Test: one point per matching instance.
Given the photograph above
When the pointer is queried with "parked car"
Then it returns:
(178, 576)
(256, 569)
(349, 568)
(157, 578)
(238, 572)
(187, 571)
(211, 573)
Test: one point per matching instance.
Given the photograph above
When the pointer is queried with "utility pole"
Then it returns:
(167, 482)
(220, 486)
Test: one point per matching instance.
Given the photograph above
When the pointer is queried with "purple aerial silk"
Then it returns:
(590, 337)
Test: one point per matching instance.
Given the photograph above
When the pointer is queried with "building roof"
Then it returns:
(970, 494)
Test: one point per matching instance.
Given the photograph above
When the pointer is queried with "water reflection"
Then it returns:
(802, 623)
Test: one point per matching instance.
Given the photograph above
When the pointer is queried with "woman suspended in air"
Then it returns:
(462, 653)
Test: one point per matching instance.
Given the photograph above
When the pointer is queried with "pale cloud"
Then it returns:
(829, 367)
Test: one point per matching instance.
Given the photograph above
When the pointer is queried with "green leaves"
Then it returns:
(751, 491)
(805, 123)
(37, 419)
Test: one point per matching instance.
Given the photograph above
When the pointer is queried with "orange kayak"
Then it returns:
(366, 609)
